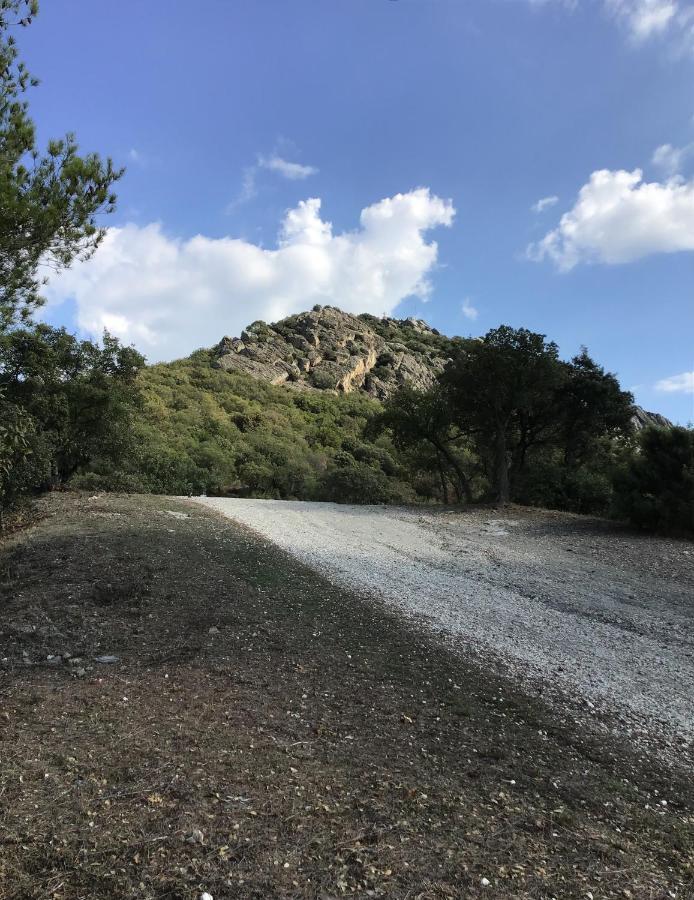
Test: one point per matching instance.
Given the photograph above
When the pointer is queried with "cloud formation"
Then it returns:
(618, 218)
(644, 20)
(170, 296)
(677, 384)
(291, 170)
(671, 160)
(544, 203)
(468, 310)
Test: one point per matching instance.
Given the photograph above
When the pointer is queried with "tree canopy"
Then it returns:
(50, 199)
(62, 401)
(526, 413)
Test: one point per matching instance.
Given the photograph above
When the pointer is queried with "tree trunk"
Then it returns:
(460, 475)
(442, 477)
(503, 486)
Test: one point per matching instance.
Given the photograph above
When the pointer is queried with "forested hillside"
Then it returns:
(201, 429)
(463, 420)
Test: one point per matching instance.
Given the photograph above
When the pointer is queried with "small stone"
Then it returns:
(485, 882)
(213, 630)
(206, 896)
(196, 837)
(107, 660)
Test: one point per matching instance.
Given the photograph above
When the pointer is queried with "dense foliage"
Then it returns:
(205, 430)
(523, 407)
(566, 429)
(62, 401)
(655, 490)
(49, 200)
(423, 422)
(510, 420)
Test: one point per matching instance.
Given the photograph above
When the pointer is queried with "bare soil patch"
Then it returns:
(264, 733)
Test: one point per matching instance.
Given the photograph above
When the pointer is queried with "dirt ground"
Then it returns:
(264, 733)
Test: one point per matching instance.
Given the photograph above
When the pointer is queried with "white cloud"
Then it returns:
(137, 157)
(670, 160)
(683, 384)
(544, 203)
(646, 19)
(169, 296)
(248, 189)
(468, 310)
(618, 218)
(273, 163)
(291, 170)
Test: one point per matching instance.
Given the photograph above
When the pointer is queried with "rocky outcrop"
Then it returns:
(327, 349)
(643, 419)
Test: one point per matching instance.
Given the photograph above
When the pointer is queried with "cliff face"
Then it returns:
(642, 419)
(327, 349)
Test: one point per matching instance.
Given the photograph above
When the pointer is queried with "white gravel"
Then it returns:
(605, 617)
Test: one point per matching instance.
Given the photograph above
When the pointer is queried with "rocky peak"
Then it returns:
(327, 349)
(642, 419)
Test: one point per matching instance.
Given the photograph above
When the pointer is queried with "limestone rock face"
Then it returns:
(327, 349)
(642, 419)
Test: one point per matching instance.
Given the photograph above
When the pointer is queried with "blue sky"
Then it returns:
(446, 121)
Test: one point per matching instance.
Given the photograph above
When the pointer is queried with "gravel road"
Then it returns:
(571, 605)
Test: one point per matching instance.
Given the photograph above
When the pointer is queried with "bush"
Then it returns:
(655, 490)
(549, 483)
(322, 379)
(360, 484)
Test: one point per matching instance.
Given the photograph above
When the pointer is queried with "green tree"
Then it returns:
(80, 396)
(502, 390)
(591, 406)
(414, 417)
(588, 428)
(16, 431)
(50, 200)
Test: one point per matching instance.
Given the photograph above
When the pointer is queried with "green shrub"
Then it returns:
(549, 483)
(655, 490)
(361, 484)
(321, 379)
